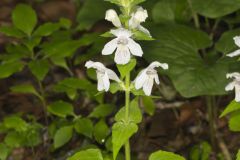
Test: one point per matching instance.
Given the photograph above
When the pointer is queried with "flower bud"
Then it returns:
(141, 15)
(111, 15)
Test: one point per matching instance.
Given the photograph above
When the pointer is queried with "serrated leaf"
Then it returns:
(102, 111)
(100, 131)
(61, 109)
(121, 132)
(4, 151)
(135, 114)
(166, 11)
(25, 89)
(201, 152)
(39, 68)
(24, 18)
(191, 75)
(233, 106)
(238, 155)
(215, 8)
(11, 31)
(149, 105)
(226, 43)
(90, 154)
(62, 136)
(7, 69)
(163, 155)
(14, 139)
(234, 124)
(127, 68)
(86, 20)
(46, 29)
(16, 123)
(84, 126)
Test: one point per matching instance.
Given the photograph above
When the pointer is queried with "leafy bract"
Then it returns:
(90, 154)
(163, 155)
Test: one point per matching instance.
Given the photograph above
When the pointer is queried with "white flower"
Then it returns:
(124, 46)
(237, 52)
(234, 84)
(103, 75)
(111, 15)
(146, 77)
(137, 18)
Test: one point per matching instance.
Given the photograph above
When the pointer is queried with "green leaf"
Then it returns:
(11, 31)
(234, 124)
(24, 18)
(233, 106)
(238, 155)
(114, 87)
(201, 152)
(61, 109)
(135, 114)
(65, 23)
(86, 20)
(171, 11)
(14, 139)
(62, 136)
(62, 48)
(215, 8)
(32, 42)
(39, 68)
(149, 105)
(125, 69)
(25, 89)
(16, 123)
(101, 131)
(136, 2)
(121, 132)
(226, 43)
(7, 69)
(4, 151)
(102, 111)
(191, 75)
(46, 29)
(163, 155)
(84, 126)
(90, 154)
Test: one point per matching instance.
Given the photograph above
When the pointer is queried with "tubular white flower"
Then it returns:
(124, 46)
(137, 18)
(234, 84)
(146, 77)
(237, 52)
(112, 16)
(103, 75)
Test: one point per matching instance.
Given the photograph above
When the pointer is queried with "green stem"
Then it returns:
(194, 14)
(127, 102)
(211, 114)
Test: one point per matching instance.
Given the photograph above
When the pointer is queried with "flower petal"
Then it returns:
(157, 64)
(156, 78)
(110, 47)
(135, 48)
(122, 55)
(230, 86)
(141, 78)
(147, 86)
(144, 30)
(100, 85)
(235, 53)
(237, 40)
(106, 82)
(235, 75)
(237, 93)
(112, 75)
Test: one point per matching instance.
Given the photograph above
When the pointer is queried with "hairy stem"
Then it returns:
(127, 102)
